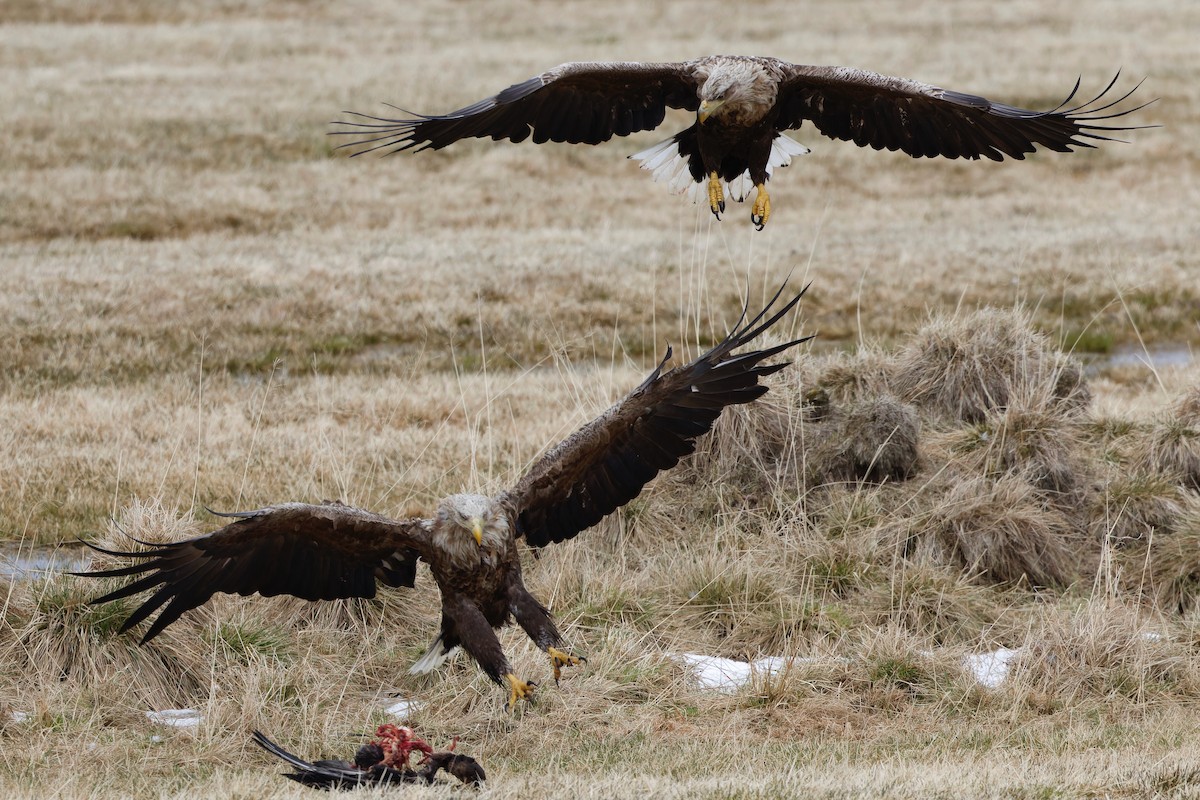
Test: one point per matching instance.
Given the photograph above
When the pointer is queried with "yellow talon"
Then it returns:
(520, 690)
(716, 197)
(762, 207)
(559, 659)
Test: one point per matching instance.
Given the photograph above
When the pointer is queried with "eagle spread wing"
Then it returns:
(605, 464)
(327, 773)
(883, 112)
(579, 102)
(316, 552)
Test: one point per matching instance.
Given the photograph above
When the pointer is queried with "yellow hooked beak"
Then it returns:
(707, 107)
(477, 530)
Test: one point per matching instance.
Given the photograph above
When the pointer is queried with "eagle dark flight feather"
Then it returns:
(744, 103)
(605, 464)
(314, 552)
(331, 551)
(887, 113)
(580, 103)
(368, 768)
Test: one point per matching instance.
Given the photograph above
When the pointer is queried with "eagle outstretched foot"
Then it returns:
(520, 690)
(559, 659)
(762, 207)
(716, 196)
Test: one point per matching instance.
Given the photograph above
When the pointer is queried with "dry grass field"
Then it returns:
(202, 305)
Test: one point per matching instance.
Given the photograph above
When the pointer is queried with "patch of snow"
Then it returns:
(727, 675)
(403, 707)
(20, 716)
(991, 669)
(176, 717)
(713, 672)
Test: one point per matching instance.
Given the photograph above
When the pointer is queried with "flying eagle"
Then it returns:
(742, 105)
(332, 551)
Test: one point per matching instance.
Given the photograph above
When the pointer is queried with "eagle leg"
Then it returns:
(535, 619)
(716, 196)
(559, 659)
(762, 207)
(520, 690)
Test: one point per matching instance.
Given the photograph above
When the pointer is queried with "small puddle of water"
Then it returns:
(23, 562)
(1167, 356)
(1175, 355)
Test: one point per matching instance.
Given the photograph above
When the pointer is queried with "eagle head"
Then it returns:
(738, 88)
(474, 515)
(719, 89)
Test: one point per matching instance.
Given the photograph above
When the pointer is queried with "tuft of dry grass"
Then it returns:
(963, 368)
(1104, 651)
(201, 304)
(1000, 529)
(1136, 505)
(869, 439)
(1164, 564)
(1172, 444)
(844, 376)
(1186, 408)
(1033, 439)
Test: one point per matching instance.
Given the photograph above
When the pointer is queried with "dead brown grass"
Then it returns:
(963, 368)
(1137, 505)
(999, 529)
(872, 439)
(201, 305)
(1172, 445)
(1107, 649)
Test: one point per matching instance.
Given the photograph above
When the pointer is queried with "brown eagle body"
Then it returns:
(743, 103)
(331, 551)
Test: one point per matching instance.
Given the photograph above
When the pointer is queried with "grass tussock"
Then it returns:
(57, 635)
(1002, 531)
(962, 368)
(203, 303)
(1108, 650)
(1163, 563)
(1030, 438)
(1172, 445)
(943, 604)
(1136, 506)
(873, 438)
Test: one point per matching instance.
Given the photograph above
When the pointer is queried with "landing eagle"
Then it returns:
(332, 551)
(742, 105)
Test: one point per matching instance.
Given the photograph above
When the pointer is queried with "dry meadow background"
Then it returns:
(202, 305)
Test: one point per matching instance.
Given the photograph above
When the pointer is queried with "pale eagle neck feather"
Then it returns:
(749, 86)
(452, 532)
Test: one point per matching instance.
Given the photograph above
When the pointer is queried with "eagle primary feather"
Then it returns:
(330, 551)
